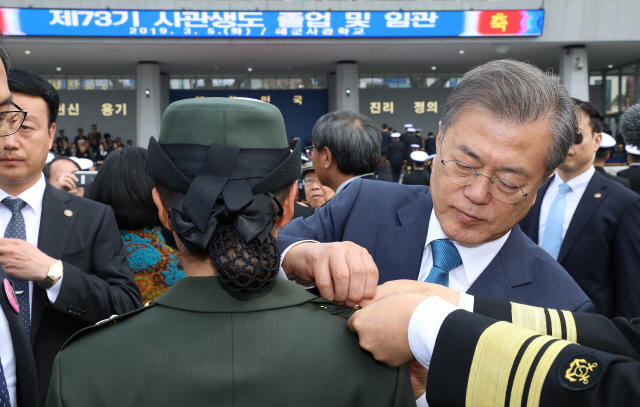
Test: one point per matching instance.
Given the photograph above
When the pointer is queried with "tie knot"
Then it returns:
(14, 205)
(564, 188)
(445, 255)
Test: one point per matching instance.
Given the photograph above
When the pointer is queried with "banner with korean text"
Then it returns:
(269, 24)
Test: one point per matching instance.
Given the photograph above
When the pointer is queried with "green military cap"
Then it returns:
(240, 122)
(224, 157)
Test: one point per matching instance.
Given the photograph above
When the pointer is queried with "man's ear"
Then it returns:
(288, 207)
(326, 159)
(163, 213)
(52, 132)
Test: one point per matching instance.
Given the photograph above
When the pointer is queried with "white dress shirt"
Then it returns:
(31, 213)
(578, 185)
(475, 258)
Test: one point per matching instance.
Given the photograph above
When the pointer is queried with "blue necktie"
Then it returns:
(16, 229)
(445, 258)
(552, 238)
(5, 400)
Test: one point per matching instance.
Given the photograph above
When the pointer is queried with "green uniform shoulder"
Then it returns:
(333, 308)
(100, 325)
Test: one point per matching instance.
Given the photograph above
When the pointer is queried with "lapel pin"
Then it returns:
(8, 289)
(598, 195)
(68, 213)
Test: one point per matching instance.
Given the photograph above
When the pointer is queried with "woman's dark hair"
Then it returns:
(122, 184)
(243, 267)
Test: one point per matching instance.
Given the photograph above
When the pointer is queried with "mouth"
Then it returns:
(466, 218)
(10, 160)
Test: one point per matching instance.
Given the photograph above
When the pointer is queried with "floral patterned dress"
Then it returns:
(155, 265)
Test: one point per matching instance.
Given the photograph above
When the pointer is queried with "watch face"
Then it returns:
(55, 272)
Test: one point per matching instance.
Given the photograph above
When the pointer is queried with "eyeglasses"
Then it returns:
(11, 120)
(280, 209)
(503, 190)
(309, 151)
(579, 137)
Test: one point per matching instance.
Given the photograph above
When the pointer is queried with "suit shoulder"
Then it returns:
(622, 194)
(93, 332)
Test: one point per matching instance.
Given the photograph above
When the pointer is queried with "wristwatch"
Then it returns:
(55, 274)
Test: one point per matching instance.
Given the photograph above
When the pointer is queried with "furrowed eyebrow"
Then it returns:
(470, 153)
(7, 101)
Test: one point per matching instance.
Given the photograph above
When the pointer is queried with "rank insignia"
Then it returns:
(580, 372)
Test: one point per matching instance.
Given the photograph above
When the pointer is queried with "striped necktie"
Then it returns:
(445, 258)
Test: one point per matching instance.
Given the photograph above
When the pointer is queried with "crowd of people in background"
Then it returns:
(93, 146)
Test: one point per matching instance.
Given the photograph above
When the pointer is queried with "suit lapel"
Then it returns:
(55, 229)
(586, 207)
(507, 270)
(403, 262)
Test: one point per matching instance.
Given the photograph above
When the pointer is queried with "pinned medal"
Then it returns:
(68, 213)
(11, 296)
(598, 195)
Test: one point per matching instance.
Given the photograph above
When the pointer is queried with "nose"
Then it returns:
(11, 142)
(478, 191)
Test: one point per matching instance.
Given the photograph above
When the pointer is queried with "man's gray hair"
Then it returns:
(519, 93)
(4, 54)
(353, 139)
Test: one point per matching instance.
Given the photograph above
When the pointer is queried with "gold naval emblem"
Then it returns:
(68, 213)
(578, 370)
(598, 195)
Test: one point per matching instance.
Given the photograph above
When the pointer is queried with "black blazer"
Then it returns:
(623, 181)
(27, 385)
(601, 246)
(97, 282)
(633, 175)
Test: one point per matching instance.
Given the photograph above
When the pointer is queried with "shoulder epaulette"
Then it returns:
(114, 319)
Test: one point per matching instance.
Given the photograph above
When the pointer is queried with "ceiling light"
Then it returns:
(26, 51)
(433, 68)
(609, 66)
(461, 51)
(249, 69)
(58, 69)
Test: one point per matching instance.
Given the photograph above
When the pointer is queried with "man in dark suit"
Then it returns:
(18, 381)
(463, 231)
(555, 357)
(420, 175)
(430, 144)
(633, 172)
(591, 225)
(601, 157)
(397, 156)
(64, 253)
(346, 146)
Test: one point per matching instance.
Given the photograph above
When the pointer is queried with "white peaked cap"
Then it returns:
(607, 141)
(430, 157)
(50, 157)
(406, 126)
(632, 149)
(395, 135)
(411, 129)
(419, 156)
(415, 145)
(84, 163)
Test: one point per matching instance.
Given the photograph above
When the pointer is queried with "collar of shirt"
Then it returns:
(349, 181)
(474, 259)
(578, 184)
(32, 196)
(633, 164)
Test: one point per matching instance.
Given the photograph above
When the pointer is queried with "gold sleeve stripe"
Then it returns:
(556, 326)
(529, 317)
(517, 390)
(572, 332)
(492, 363)
(542, 370)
